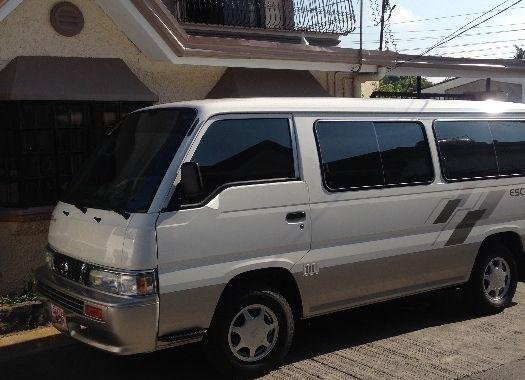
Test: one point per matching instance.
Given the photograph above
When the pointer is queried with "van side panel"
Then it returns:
(374, 248)
(373, 280)
(376, 244)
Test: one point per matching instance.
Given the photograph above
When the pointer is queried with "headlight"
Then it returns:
(126, 284)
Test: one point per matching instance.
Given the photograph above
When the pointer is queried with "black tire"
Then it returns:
(489, 303)
(217, 342)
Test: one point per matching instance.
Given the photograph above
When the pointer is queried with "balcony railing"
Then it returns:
(322, 16)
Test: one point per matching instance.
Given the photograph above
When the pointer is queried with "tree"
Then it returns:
(520, 53)
(402, 84)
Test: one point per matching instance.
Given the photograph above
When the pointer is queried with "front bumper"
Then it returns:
(130, 324)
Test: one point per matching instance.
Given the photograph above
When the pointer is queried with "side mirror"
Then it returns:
(191, 180)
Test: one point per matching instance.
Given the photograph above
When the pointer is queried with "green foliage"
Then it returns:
(402, 84)
(520, 52)
(13, 300)
(26, 295)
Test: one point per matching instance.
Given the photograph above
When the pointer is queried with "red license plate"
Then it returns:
(58, 317)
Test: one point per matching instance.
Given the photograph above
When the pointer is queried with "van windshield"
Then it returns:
(124, 172)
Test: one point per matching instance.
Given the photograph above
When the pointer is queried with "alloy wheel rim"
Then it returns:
(496, 279)
(253, 333)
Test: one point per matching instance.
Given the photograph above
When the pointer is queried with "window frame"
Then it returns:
(174, 206)
(55, 154)
(471, 179)
(375, 187)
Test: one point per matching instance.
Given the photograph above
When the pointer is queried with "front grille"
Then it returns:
(70, 268)
(61, 299)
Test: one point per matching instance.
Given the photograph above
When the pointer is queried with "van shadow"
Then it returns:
(314, 337)
(371, 323)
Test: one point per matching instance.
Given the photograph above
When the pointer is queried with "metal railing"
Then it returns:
(322, 16)
(424, 95)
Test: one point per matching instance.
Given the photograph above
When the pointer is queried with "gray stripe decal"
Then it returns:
(491, 202)
(447, 211)
(463, 229)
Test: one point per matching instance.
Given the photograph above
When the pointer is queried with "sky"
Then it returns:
(418, 24)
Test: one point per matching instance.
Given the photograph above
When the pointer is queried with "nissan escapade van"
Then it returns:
(227, 220)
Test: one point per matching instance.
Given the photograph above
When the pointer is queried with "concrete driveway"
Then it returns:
(425, 337)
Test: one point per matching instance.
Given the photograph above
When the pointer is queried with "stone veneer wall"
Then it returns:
(22, 243)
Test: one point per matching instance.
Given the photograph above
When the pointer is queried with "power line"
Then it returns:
(438, 30)
(484, 56)
(446, 36)
(449, 29)
(479, 50)
(471, 44)
(464, 35)
(465, 28)
(442, 17)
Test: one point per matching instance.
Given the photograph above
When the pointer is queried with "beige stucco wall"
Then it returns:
(367, 88)
(323, 78)
(27, 31)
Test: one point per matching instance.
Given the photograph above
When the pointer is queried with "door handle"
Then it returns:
(296, 217)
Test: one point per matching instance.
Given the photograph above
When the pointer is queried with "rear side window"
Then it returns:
(509, 144)
(365, 154)
(245, 150)
(466, 149)
(405, 153)
(480, 149)
(349, 154)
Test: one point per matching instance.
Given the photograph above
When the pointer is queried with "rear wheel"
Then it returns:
(493, 280)
(251, 334)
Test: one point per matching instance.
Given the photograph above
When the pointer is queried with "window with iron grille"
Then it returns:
(43, 144)
(321, 16)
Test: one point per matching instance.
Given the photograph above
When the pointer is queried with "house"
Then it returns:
(505, 89)
(69, 70)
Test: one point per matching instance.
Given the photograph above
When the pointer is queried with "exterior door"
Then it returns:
(253, 213)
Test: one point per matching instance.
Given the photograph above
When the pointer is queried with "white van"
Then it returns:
(228, 220)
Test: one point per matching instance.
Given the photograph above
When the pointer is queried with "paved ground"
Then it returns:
(511, 371)
(425, 337)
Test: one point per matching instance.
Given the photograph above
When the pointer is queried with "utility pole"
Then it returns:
(382, 21)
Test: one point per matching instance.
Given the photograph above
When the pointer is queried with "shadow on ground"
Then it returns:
(314, 337)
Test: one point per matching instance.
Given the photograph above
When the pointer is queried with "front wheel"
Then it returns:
(251, 334)
(494, 279)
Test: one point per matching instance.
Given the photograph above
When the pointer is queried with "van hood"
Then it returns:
(104, 238)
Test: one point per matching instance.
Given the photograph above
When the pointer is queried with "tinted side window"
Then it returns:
(365, 154)
(349, 154)
(245, 150)
(404, 152)
(509, 143)
(466, 149)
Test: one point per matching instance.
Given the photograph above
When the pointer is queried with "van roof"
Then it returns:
(335, 105)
